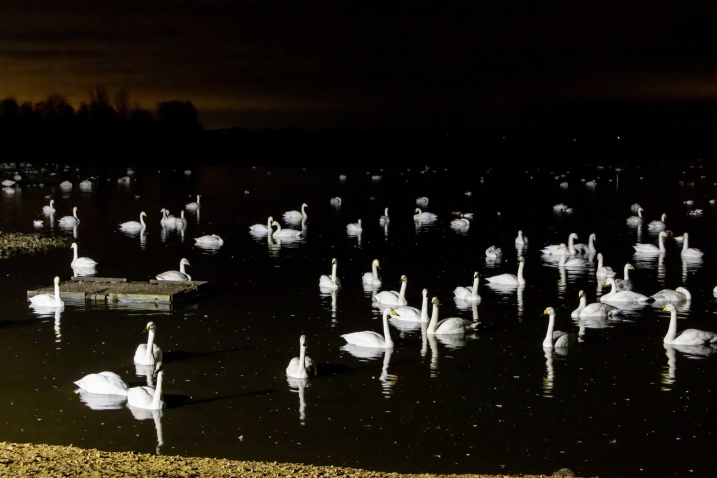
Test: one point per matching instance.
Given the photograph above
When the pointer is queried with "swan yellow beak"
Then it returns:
(377, 264)
(665, 309)
(546, 311)
(606, 284)
(393, 312)
(147, 327)
(580, 294)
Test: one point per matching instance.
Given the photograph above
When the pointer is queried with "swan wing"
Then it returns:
(172, 275)
(462, 292)
(106, 383)
(452, 325)
(387, 297)
(596, 309)
(695, 337)
(562, 339)
(310, 366)
(411, 314)
(365, 339)
(140, 397)
(503, 279)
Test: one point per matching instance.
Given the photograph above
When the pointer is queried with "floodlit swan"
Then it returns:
(521, 240)
(393, 297)
(651, 249)
(557, 249)
(103, 383)
(688, 251)
(669, 296)
(411, 314)
(81, 262)
(212, 240)
(635, 207)
(48, 300)
(657, 225)
(384, 219)
(332, 282)
(493, 253)
(424, 216)
(296, 214)
(625, 283)
(354, 226)
(596, 309)
(371, 278)
(603, 271)
(588, 248)
(573, 262)
(560, 207)
(687, 336)
(509, 279)
(147, 397)
(49, 209)
(460, 223)
(149, 353)
(302, 366)
(335, 201)
(635, 220)
(192, 206)
(180, 222)
(468, 294)
(284, 233)
(372, 339)
(627, 296)
(181, 274)
(167, 220)
(70, 220)
(422, 201)
(262, 227)
(452, 325)
(556, 338)
(134, 224)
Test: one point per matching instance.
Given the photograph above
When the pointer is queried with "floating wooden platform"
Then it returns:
(110, 289)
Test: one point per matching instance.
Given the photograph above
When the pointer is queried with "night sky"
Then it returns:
(365, 64)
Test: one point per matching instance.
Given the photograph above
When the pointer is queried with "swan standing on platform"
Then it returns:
(635, 220)
(331, 282)
(296, 214)
(424, 216)
(596, 309)
(372, 278)
(373, 339)
(557, 249)
(452, 325)
(411, 314)
(624, 295)
(70, 220)
(603, 271)
(672, 296)
(81, 262)
(509, 279)
(354, 227)
(384, 219)
(284, 233)
(211, 240)
(135, 224)
(48, 300)
(688, 251)
(521, 240)
(556, 338)
(149, 353)
(149, 398)
(193, 206)
(651, 248)
(468, 294)
(687, 336)
(103, 383)
(301, 366)
(625, 283)
(49, 209)
(262, 227)
(657, 225)
(392, 297)
(179, 275)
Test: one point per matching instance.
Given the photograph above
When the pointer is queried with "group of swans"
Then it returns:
(170, 221)
(260, 229)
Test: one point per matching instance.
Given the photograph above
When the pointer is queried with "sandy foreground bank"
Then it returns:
(27, 460)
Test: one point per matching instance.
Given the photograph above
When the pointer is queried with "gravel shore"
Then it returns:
(49, 461)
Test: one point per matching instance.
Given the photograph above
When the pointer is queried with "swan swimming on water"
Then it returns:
(556, 338)
(373, 339)
(657, 225)
(557, 249)
(596, 309)
(384, 219)
(521, 240)
(211, 240)
(625, 283)
(331, 282)
(48, 300)
(81, 262)
(149, 353)
(134, 224)
(626, 296)
(180, 275)
(687, 336)
(261, 227)
(468, 294)
(510, 279)
(103, 383)
(424, 216)
(284, 233)
(672, 296)
(493, 253)
(449, 326)
(635, 220)
(393, 297)
(49, 209)
(296, 214)
(193, 206)
(588, 248)
(70, 220)
(573, 262)
(147, 397)
(688, 251)
(603, 271)
(354, 226)
(167, 220)
(302, 366)
(651, 249)
(371, 278)
(411, 314)
(460, 224)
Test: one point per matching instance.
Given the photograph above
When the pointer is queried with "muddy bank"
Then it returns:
(26, 460)
(18, 243)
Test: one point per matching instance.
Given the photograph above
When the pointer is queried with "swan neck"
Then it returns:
(520, 273)
(181, 268)
(374, 271)
(58, 300)
(157, 391)
(599, 264)
(76, 253)
(685, 245)
(333, 271)
(402, 293)
(662, 244)
(475, 287)
(149, 353)
(141, 220)
(548, 342)
(583, 303)
(303, 213)
(302, 361)
(424, 309)
(611, 283)
(386, 330)
(434, 320)
(672, 331)
(626, 274)
(74, 213)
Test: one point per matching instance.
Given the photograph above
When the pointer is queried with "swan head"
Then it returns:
(184, 261)
(639, 209)
(520, 259)
(74, 209)
(630, 266)
(417, 211)
(664, 216)
(57, 280)
(393, 312)
(150, 326)
(271, 219)
(52, 201)
(593, 237)
(302, 340)
(73, 246)
(475, 274)
(425, 292)
(333, 261)
(435, 301)
(404, 278)
(143, 213)
(549, 311)
(274, 223)
(669, 308)
(581, 294)
(304, 205)
(376, 263)
(599, 256)
(573, 235)
(520, 233)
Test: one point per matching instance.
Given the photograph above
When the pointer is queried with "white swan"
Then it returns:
(588, 248)
(573, 262)
(635, 207)
(596, 309)
(521, 240)
(603, 271)
(149, 353)
(460, 223)
(103, 383)
(509, 279)
(284, 233)
(411, 314)
(687, 336)
(354, 226)
(192, 206)
(422, 201)
(372, 278)
(635, 220)
(556, 338)
(48, 300)
(556, 249)
(424, 216)
(452, 325)
(262, 227)
(135, 224)
(296, 214)
(149, 398)
(688, 251)
(372, 339)
(657, 225)
(384, 219)
(393, 297)
(335, 201)
(625, 283)
(211, 240)
(332, 282)
(80, 262)
(560, 207)
(180, 221)
(49, 209)
(493, 253)
(179, 275)
(627, 296)
(167, 220)
(672, 296)
(302, 366)
(468, 294)
(651, 248)
(70, 220)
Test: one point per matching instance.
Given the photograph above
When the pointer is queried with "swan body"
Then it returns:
(80, 262)
(354, 226)
(635, 220)
(149, 398)
(521, 240)
(460, 223)
(651, 248)
(193, 206)
(331, 282)
(179, 275)
(149, 353)
(384, 219)
(603, 271)
(393, 297)
(296, 214)
(468, 294)
(627, 296)
(167, 220)
(424, 216)
(49, 209)
(669, 296)
(262, 227)
(510, 279)
(70, 220)
(135, 224)
(212, 240)
(372, 339)
(103, 383)
(560, 207)
(596, 309)
(687, 336)
(493, 253)
(573, 262)
(556, 338)
(180, 221)
(635, 207)
(422, 201)
(49, 300)
(688, 251)
(302, 366)
(626, 283)
(335, 201)
(411, 314)
(557, 249)
(284, 233)
(372, 278)
(657, 225)
(450, 326)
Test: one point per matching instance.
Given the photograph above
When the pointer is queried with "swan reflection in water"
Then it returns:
(147, 414)
(333, 293)
(97, 401)
(50, 312)
(690, 265)
(669, 375)
(299, 385)
(549, 380)
(388, 381)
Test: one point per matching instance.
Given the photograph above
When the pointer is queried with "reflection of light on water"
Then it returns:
(690, 265)
(328, 292)
(156, 415)
(388, 381)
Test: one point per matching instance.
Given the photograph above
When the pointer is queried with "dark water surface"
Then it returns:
(619, 403)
